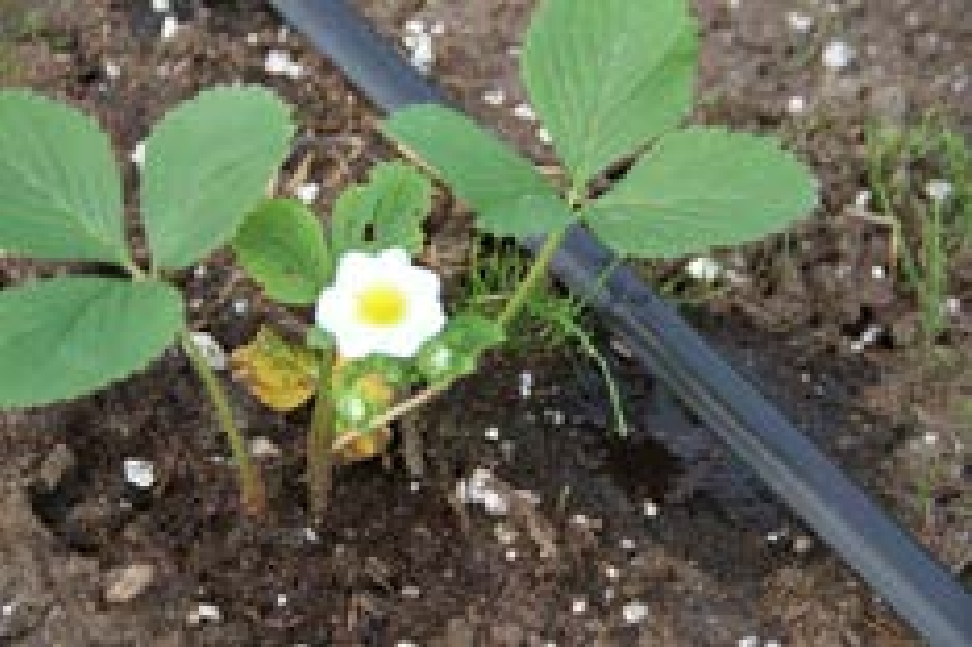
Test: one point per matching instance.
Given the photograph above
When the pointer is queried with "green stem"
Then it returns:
(537, 270)
(252, 491)
(320, 442)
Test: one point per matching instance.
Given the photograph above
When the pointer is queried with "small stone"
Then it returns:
(704, 269)
(953, 306)
(799, 22)
(139, 472)
(170, 27)
(112, 70)
(628, 544)
(161, 6)
(796, 105)
(138, 155)
(494, 97)
(126, 583)
(8, 609)
(772, 643)
(307, 193)
(492, 433)
(405, 643)
(802, 545)
(938, 190)
(200, 271)
(578, 606)
(837, 55)
(279, 62)
(634, 612)
(204, 612)
(649, 508)
(210, 349)
(504, 535)
(878, 272)
(282, 600)
(253, 38)
(526, 384)
(544, 135)
(411, 592)
(438, 28)
(263, 447)
(609, 594)
(930, 438)
(511, 554)
(748, 641)
(612, 572)
(524, 111)
(414, 26)
(240, 306)
(863, 198)
(775, 536)
(310, 535)
(421, 51)
(56, 465)
(414, 486)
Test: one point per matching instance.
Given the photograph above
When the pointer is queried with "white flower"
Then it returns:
(381, 304)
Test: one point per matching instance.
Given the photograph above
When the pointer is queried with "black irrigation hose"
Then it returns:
(905, 575)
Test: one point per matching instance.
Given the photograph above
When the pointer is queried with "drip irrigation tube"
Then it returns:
(920, 589)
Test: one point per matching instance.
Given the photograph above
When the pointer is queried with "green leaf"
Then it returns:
(61, 194)
(70, 336)
(386, 212)
(456, 350)
(699, 188)
(281, 245)
(480, 169)
(607, 77)
(527, 215)
(207, 165)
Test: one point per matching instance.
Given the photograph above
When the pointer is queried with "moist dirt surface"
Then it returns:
(657, 538)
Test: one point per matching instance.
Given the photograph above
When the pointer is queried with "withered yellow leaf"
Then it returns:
(279, 374)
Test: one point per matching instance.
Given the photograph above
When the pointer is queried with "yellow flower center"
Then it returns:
(381, 305)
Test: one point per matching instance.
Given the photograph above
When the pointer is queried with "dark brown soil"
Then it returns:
(598, 524)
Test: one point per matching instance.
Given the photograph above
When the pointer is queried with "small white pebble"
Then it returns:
(704, 268)
(628, 544)
(161, 6)
(139, 472)
(494, 97)
(414, 26)
(878, 272)
(802, 545)
(170, 27)
(504, 535)
(279, 62)
(609, 594)
(438, 28)
(263, 447)
(7, 610)
(138, 155)
(799, 22)
(308, 192)
(112, 70)
(772, 643)
(930, 438)
(634, 612)
(240, 306)
(612, 572)
(510, 554)
(281, 600)
(421, 51)
(414, 486)
(200, 271)
(411, 592)
(580, 520)
(863, 198)
(775, 536)
(938, 190)
(837, 55)
(649, 508)
(210, 349)
(796, 105)
(526, 384)
(748, 641)
(492, 433)
(544, 135)
(205, 611)
(953, 306)
(524, 111)
(309, 534)
(283, 34)
(406, 643)
(253, 38)
(578, 606)
(867, 338)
